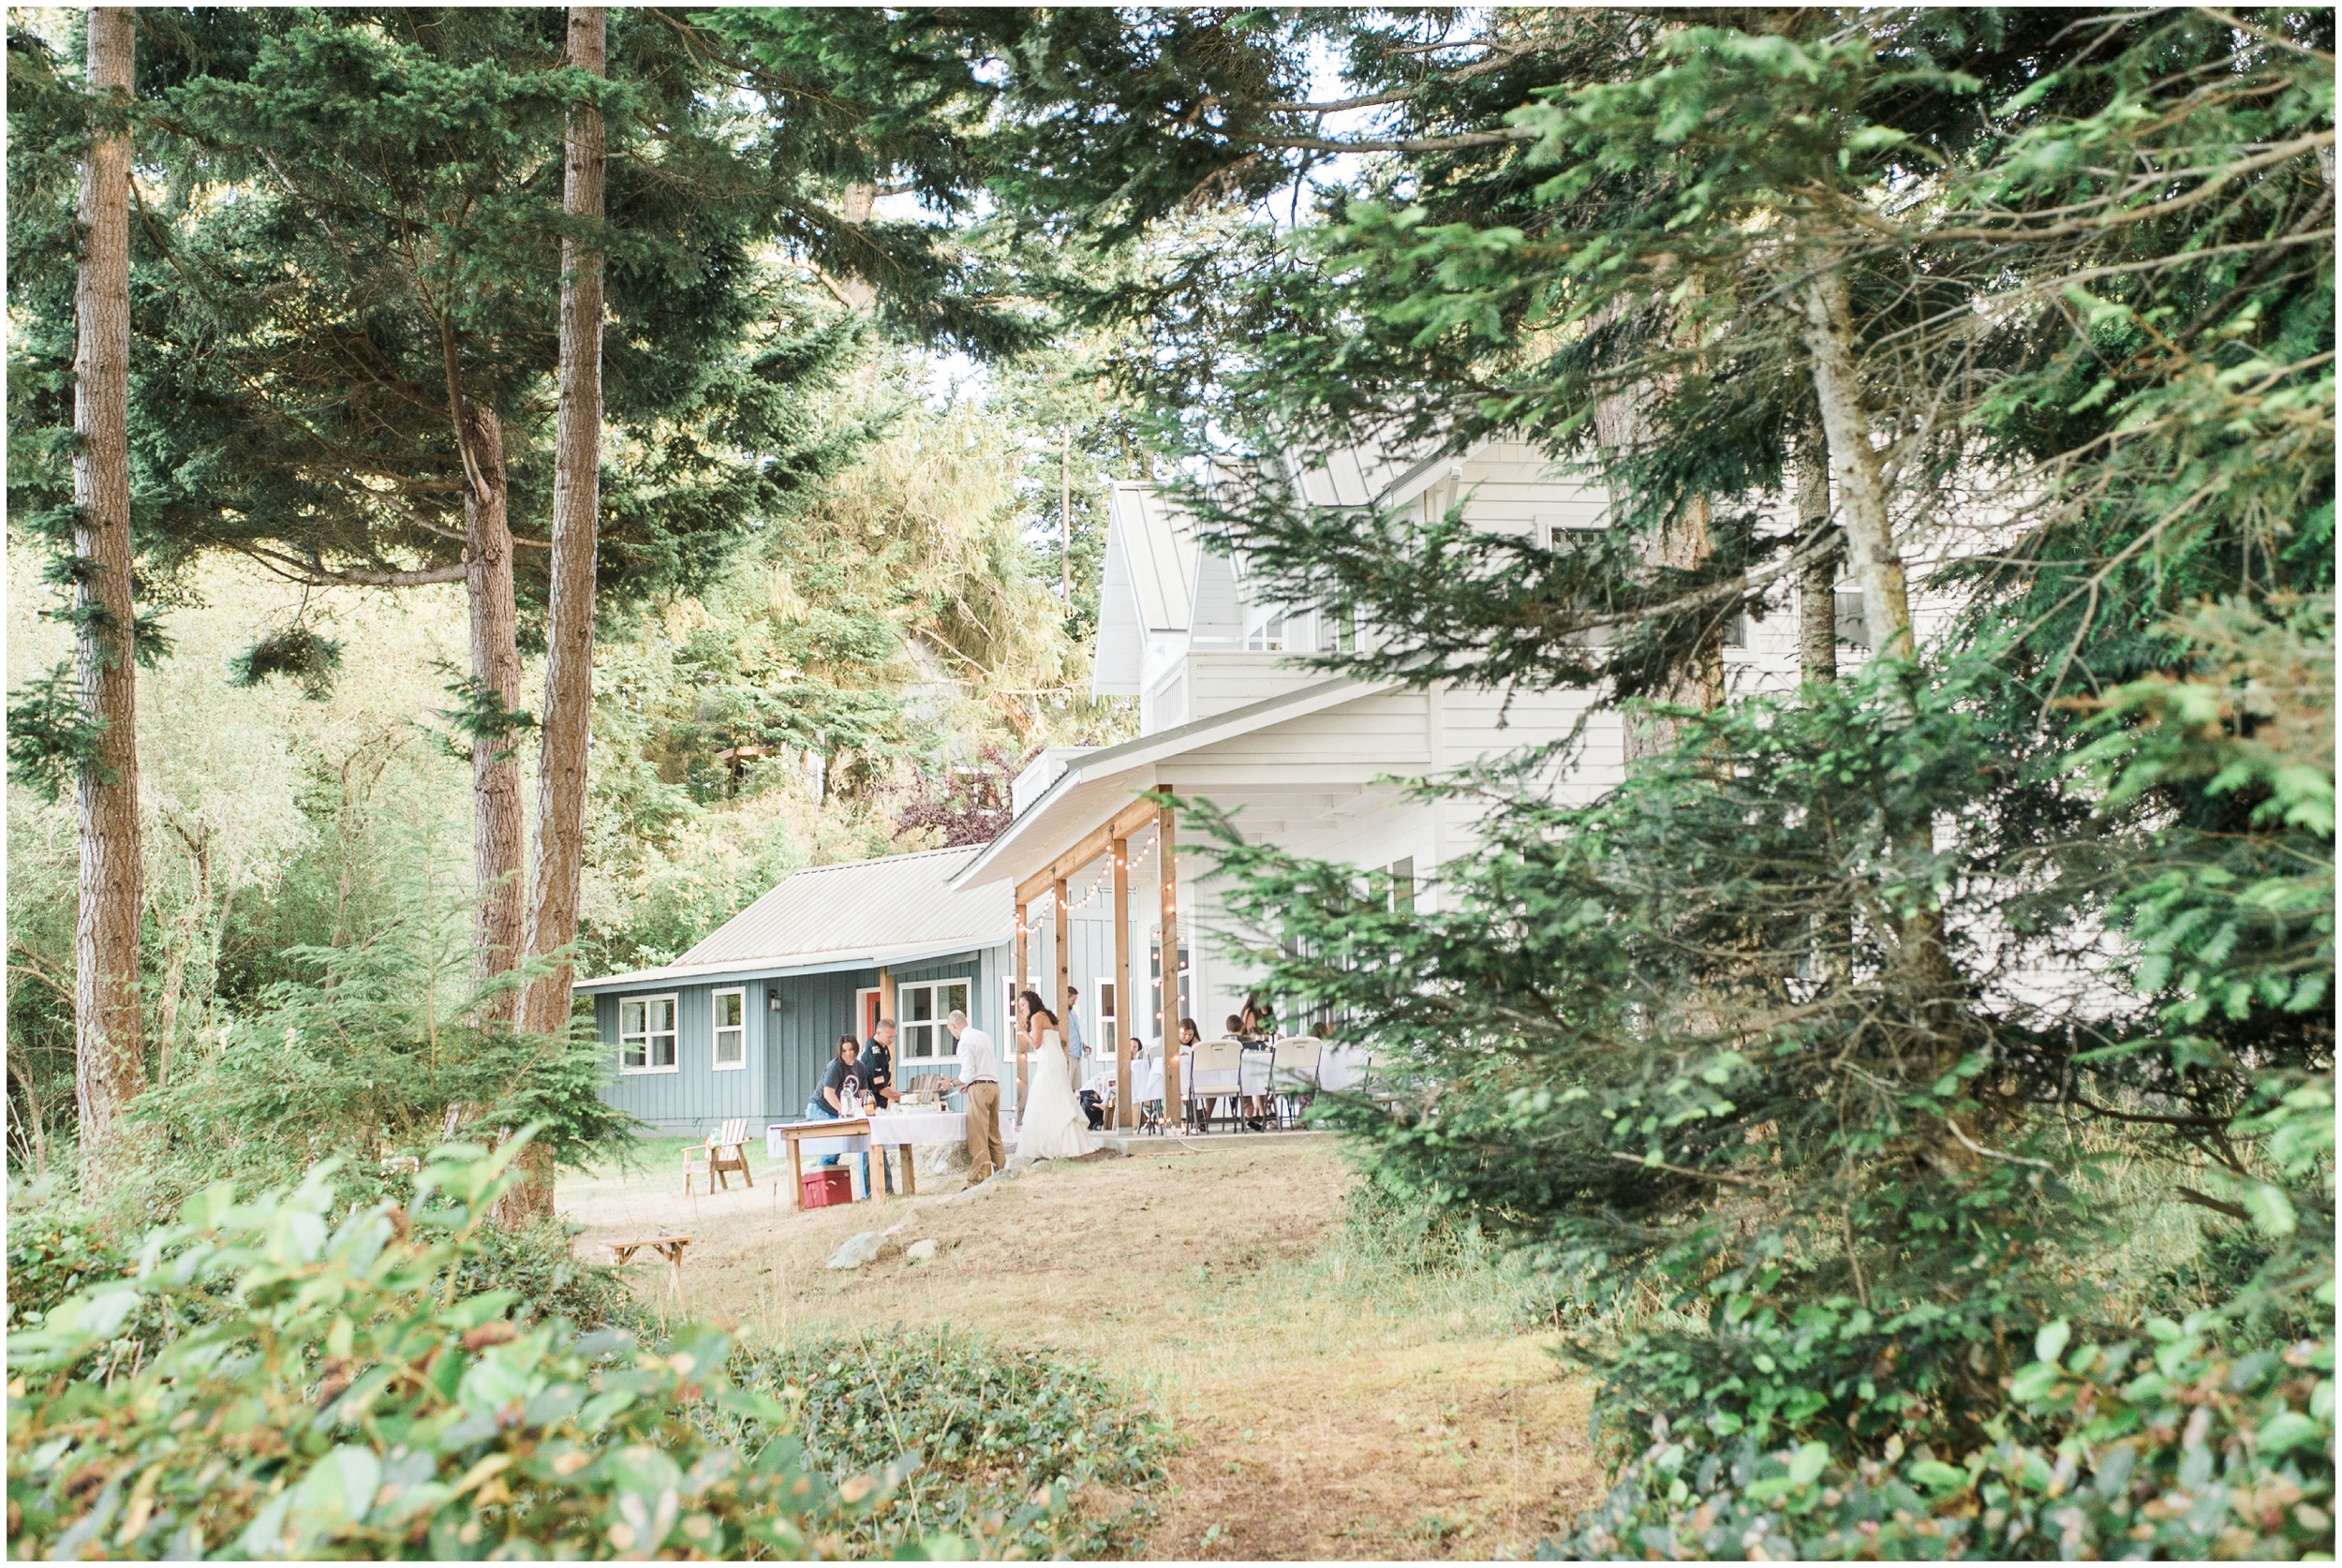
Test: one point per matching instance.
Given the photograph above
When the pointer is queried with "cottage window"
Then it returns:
(731, 1031)
(920, 1009)
(646, 1034)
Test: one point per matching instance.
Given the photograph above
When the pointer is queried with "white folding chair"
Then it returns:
(1293, 1076)
(1217, 1077)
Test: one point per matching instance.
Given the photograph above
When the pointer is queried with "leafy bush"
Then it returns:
(536, 1265)
(345, 1399)
(52, 1254)
(2178, 1449)
(1025, 1452)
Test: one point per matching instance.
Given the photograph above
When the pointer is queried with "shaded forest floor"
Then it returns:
(1328, 1404)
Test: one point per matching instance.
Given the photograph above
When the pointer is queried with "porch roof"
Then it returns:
(1096, 785)
(855, 915)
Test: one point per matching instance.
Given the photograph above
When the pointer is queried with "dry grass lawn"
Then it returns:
(1330, 1405)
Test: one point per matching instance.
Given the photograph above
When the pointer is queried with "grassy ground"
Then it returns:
(1333, 1401)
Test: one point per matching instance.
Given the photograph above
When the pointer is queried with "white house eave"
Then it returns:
(787, 965)
(1154, 750)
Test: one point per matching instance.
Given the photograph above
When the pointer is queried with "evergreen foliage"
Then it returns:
(337, 1397)
(1828, 1028)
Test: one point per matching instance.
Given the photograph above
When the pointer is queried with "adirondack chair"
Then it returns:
(728, 1150)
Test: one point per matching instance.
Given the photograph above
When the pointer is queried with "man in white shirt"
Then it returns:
(980, 1081)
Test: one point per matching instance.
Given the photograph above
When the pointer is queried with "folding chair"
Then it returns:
(1293, 1075)
(1217, 1077)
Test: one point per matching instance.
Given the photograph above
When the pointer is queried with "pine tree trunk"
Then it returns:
(1854, 463)
(570, 659)
(110, 1065)
(1818, 587)
(496, 664)
(1922, 979)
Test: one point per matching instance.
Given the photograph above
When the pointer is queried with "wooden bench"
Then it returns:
(668, 1247)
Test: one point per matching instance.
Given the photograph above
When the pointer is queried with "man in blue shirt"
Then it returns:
(1076, 1046)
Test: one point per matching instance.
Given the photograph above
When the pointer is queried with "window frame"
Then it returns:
(933, 1026)
(673, 1033)
(718, 1030)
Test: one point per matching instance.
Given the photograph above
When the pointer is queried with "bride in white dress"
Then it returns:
(1051, 1124)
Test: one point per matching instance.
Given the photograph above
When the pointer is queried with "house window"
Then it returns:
(646, 1034)
(1853, 626)
(920, 1010)
(1109, 1025)
(731, 1031)
(1267, 637)
(1167, 1028)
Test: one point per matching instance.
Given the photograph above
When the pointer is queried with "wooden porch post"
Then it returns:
(1125, 1013)
(1024, 984)
(1168, 861)
(1062, 948)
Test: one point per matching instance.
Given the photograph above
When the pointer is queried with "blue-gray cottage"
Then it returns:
(743, 1024)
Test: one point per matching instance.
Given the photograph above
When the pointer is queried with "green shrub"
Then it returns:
(2175, 1450)
(537, 1265)
(52, 1254)
(345, 1400)
(1025, 1452)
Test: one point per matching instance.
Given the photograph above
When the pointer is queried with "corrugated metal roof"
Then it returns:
(849, 916)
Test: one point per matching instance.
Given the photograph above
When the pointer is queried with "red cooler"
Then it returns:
(833, 1184)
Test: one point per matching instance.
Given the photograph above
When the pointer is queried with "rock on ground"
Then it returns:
(861, 1248)
(920, 1251)
(941, 1159)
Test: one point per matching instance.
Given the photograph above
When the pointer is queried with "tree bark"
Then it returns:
(1854, 463)
(110, 1065)
(563, 743)
(1619, 423)
(1818, 588)
(497, 826)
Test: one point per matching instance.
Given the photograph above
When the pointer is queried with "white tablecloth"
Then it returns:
(1342, 1067)
(1146, 1081)
(919, 1127)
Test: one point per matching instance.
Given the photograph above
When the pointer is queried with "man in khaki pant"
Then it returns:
(979, 1080)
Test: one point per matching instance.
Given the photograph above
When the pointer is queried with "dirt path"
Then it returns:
(1329, 1407)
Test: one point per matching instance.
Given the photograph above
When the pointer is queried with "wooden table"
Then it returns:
(668, 1247)
(891, 1130)
(795, 1133)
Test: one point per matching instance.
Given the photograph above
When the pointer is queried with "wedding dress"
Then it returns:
(1050, 1125)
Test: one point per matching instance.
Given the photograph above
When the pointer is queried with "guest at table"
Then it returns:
(843, 1078)
(980, 1081)
(1258, 1021)
(878, 1072)
(841, 1086)
(878, 1065)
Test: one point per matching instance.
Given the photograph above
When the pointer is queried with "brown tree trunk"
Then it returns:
(498, 827)
(544, 1006)
(110, 1065)
(1619, 423)
(1818, 587)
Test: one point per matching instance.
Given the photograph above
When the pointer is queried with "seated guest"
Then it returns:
(1258, 1020)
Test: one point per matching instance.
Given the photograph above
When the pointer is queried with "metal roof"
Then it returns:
(1158, 543)
(857, 914)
